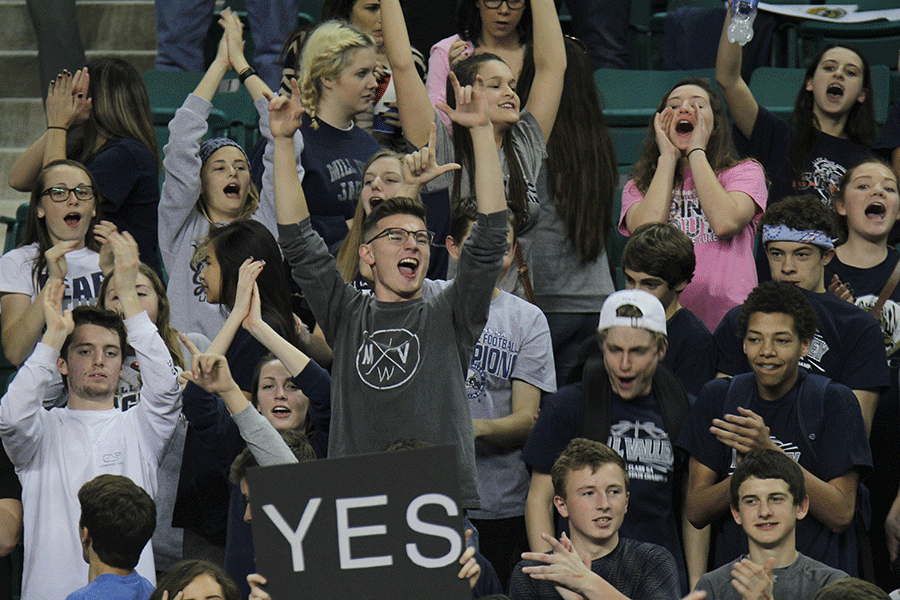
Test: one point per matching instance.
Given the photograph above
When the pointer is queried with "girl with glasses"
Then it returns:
(500, 27)
(63, 237)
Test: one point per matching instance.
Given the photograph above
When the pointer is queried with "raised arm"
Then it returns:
(413, 104)
(67, 106)
(210, 372)
(471, 112)
(285, 117)
(232, 33)
(181, 161)
(549, 64)
(247, 275)
(728, 212)
(21, 412)
(160, 407)
(741, 104)
(290, 356)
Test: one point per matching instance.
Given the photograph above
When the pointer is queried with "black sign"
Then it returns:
(363, 527)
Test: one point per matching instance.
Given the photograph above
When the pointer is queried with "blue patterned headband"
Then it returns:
(209, 146)
(783, 233)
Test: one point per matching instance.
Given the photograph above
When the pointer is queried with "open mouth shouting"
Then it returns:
(73, 219)
(232, 191)
(876, 211)
(409, 267)
(684, 127)
(835, 92)
(281, 411)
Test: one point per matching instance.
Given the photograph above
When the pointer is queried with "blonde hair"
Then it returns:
(348, 253)
(327, 51)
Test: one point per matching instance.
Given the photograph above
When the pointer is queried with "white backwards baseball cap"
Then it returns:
(654, 318)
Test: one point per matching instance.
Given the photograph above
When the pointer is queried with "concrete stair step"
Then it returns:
(21, 121)
(105, 25)
(19, 70)
(10, 199)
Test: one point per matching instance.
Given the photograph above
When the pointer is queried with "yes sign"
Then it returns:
(368, 527)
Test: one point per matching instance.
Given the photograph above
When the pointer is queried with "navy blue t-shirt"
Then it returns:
(847, 347)
(637, 433)
(839, 446)
(128, 178)
(333, 160)
(692, 351)
(824, 165)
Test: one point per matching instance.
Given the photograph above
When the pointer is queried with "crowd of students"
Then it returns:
(726, 424)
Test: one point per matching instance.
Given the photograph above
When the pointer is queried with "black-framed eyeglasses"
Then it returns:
(398, 235)
(513, 4)
(61, 193)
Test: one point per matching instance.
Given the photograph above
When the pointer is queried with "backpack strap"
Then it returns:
(672, 399)
(597, 401)
(740, 391)
(811, 408)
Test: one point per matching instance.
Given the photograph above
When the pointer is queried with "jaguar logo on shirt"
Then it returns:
(388, 358)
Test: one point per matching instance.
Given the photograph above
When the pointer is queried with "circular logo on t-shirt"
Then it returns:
(387, 358)
(475, 382)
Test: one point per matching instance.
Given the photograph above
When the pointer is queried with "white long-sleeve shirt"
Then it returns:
(55, 452)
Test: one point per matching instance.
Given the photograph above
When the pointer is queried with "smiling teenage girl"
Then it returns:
(688, 175)
(499, 27)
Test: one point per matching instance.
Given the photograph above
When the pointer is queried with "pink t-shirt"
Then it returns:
(725, 271)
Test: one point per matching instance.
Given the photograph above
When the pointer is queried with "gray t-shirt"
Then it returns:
(398, 366)
(562, 283)
(799, 581)
(515, 344)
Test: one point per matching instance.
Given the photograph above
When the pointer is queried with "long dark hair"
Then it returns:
(36, 227)
(516, 194)
(581, 158)
(120, 107)
(719, 150)
(338, 9)
(468, 22)
(860, 124)
(234, 243)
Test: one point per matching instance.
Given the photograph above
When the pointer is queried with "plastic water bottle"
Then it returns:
(743, 12)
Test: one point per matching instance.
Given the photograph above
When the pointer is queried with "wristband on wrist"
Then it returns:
(694, 150)
(248, 72)
(56, 127)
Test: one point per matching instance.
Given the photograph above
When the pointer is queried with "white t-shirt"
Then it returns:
(83, 275)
